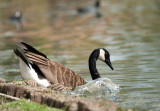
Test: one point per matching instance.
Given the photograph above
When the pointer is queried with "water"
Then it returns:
(101, 88)
(129, 30)
(101, 85)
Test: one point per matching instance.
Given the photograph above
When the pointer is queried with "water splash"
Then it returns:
(99, 87)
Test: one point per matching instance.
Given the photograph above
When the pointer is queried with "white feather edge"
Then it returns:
(29, 73)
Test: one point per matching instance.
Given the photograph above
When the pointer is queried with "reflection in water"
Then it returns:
(128, 29)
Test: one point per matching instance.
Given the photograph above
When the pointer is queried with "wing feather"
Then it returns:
(60, 77)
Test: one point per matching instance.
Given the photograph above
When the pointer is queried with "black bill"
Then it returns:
(108, 62)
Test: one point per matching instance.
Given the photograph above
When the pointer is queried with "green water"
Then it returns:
(129, 30)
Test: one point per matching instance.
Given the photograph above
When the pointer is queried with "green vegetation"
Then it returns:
(24, 105)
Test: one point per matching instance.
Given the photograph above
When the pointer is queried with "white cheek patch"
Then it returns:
(101, 55)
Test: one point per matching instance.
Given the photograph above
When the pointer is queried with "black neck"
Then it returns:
(92, 65)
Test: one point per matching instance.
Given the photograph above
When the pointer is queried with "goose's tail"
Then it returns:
(26, 47)
(21, 56)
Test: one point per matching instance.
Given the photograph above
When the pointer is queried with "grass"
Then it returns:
(24, 105)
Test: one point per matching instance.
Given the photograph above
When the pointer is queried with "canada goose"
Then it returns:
(17, 19)
(36, 66)
(94, 9)
(17, 16)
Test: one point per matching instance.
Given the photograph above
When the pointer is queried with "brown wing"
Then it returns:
(55, 72)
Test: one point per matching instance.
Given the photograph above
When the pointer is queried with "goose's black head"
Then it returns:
(101, 54)
(105, 57)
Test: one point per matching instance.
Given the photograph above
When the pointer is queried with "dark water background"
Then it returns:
(130, 30)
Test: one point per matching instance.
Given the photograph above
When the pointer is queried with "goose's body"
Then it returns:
(17, 19)
(94, 9)
(46, 72)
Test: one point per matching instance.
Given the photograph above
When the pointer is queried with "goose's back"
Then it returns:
(66, 76)
(55, 72)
